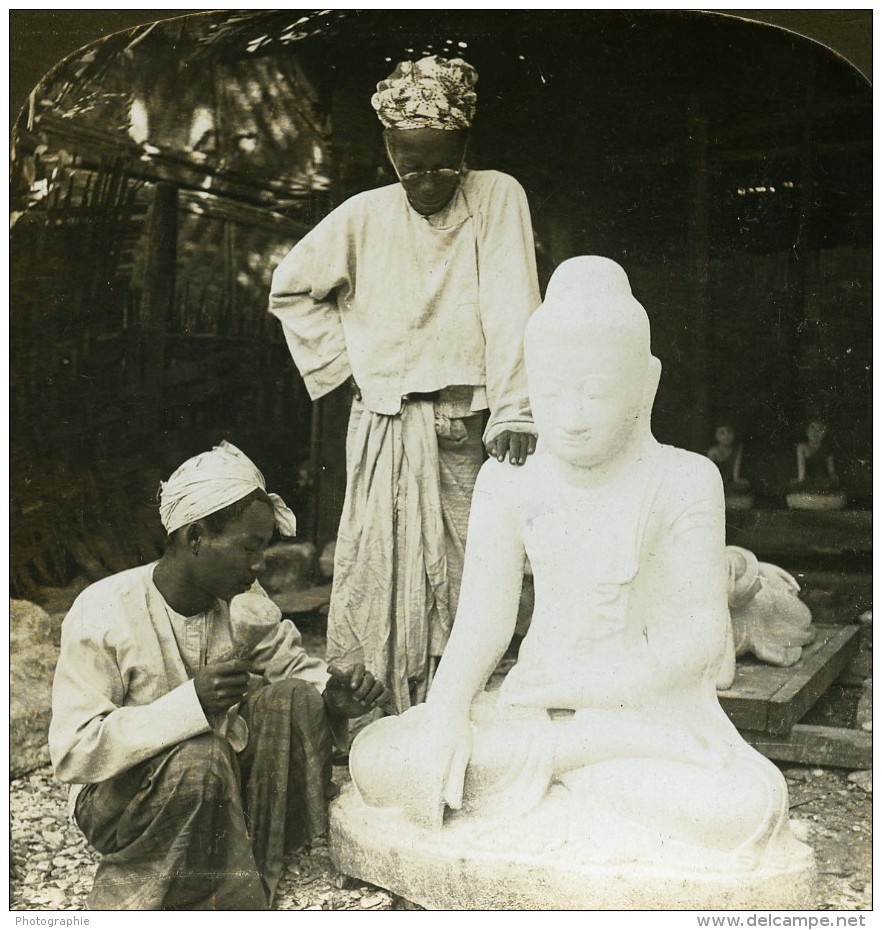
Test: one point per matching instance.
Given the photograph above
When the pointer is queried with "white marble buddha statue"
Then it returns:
(606, 739)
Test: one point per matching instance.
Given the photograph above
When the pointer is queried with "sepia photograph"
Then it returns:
(441, 461)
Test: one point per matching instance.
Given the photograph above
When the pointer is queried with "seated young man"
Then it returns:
(194, 728)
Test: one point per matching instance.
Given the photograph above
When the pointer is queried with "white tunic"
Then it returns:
(406, 303)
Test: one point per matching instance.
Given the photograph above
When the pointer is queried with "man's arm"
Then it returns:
(276, 646)
(279, 654)
(509, 293)
(92, 736)
(303, 297)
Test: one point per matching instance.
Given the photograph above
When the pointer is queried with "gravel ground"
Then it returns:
(52, 867)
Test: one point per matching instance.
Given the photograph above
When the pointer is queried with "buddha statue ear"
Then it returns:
(650, 388)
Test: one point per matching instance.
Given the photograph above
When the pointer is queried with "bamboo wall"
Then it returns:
(139, 336)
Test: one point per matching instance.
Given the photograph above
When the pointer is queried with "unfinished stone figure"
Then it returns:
(768, 618)
(603, 772)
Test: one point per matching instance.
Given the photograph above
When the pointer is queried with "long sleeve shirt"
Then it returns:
(406, 303)
(123, 688)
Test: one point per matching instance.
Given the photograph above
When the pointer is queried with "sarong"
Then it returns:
(200, 827)
(400, 546)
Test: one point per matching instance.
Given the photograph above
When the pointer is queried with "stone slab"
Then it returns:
(383, 848)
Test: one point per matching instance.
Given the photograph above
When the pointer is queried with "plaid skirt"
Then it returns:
(400, 545)
(201, 827)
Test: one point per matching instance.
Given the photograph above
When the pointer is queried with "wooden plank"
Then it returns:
(768, 699)
(810, 745)
(747, 702)
(817, 672)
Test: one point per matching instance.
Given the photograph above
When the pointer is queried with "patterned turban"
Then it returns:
(432, 93)
(210, 481)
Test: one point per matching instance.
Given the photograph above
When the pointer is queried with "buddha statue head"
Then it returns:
(591, 373)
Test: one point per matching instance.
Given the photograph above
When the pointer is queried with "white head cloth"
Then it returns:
(210, 481)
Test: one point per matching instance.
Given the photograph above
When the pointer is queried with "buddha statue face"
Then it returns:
(591, 376)
(587, 394)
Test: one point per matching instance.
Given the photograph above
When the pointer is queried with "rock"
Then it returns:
(802, 829)
(863, 779)
(865, 706)
(326, 559)
(374, 900)
(290, 566)
(32, 660)
(54, 899)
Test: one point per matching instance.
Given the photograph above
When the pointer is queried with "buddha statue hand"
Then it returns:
(415, 762)
(443, 744)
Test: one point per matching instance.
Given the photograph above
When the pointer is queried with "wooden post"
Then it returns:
(159, 288)
(698, 251)
(799, 352)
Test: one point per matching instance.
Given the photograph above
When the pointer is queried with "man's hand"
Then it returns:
(221, 685)
(517, 445)
(353, 692)
(354, 389)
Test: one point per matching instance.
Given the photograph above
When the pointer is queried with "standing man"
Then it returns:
(195, 730)
(417, 294)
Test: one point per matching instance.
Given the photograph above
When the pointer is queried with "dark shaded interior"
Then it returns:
(159, 176)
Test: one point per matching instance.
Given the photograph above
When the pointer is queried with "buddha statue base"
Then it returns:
(510, 870)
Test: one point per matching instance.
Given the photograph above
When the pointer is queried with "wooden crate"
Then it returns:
(771, 700)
